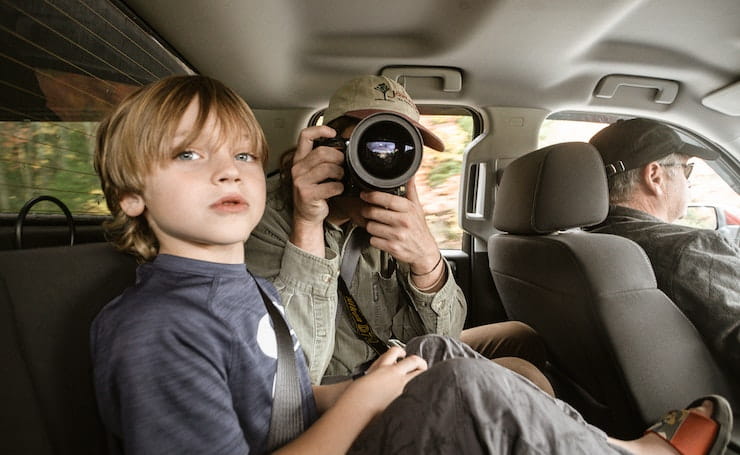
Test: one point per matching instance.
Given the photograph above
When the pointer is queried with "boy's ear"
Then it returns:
(132, 204)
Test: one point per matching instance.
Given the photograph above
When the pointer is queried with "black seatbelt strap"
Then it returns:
(286, 422)
(358, 238)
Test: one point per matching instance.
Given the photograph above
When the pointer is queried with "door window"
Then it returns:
(713, 203)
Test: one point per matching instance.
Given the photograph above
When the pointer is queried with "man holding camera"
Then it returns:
(357, 267)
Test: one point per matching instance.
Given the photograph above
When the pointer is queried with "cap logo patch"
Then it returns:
(388, 94)
(383, 89)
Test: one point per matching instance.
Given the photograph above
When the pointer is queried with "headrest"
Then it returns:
(559, 187)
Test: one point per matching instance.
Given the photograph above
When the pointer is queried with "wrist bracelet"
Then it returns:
(441, 278)
(433, 268)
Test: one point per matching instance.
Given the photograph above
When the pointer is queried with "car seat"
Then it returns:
(48, 299)
(620, 351)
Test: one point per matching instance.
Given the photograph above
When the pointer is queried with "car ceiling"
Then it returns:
(523, 53)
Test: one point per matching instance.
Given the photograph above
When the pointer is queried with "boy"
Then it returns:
(185, 358)
(184, 361)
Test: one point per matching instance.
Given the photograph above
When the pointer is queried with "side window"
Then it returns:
(438, 179)
(555, 131)
(713, 203)
(64, 67)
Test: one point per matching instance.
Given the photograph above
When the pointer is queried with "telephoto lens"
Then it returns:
(382, 154)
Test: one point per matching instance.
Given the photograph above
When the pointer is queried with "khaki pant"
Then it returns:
(514, 345)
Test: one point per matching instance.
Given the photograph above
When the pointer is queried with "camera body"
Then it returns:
(383, 152)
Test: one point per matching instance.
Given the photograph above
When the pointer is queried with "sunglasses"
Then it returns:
(687, 167)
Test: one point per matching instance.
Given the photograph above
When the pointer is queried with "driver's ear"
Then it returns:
(132, 204)
(651, 176)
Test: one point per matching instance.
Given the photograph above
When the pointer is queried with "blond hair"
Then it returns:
(138, 135)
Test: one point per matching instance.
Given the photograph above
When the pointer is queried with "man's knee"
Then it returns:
(529, 371)
(436, 348)
(507, 339)
(430, 340)
(512, 332)
(455, 372)
(456, 381)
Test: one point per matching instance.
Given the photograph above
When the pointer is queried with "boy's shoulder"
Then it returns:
(139, 313)
(267, 287)
(169, 299)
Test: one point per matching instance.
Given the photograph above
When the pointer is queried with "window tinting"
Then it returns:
(65, 64)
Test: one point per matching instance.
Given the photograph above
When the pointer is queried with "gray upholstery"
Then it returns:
(621, 352)
(48, 298)
(558, 187)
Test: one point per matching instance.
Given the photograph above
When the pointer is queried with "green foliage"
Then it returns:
(444, 170)
(465, 123)
(49, 158)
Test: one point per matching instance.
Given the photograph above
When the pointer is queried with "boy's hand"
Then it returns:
(385, 379)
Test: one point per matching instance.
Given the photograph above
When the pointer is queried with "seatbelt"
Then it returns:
(286, 422)
(358, 238)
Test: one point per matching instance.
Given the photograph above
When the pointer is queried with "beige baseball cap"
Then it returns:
(367, 95)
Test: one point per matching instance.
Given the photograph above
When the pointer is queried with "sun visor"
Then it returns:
(725, 100)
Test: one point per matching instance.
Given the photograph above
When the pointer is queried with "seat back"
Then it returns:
(48, 299)
(621, 351)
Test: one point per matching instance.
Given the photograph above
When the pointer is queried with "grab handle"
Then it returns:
(27, 207)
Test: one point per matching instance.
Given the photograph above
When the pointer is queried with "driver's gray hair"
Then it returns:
(623, 184)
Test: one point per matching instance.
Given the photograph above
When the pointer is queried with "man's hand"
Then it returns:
(316, 177)
(397, 226)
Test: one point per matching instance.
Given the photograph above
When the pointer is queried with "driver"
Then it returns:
(699, 269)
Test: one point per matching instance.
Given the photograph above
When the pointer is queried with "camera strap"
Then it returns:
(357, 239)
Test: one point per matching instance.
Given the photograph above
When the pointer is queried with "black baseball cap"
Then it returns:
(630, 144)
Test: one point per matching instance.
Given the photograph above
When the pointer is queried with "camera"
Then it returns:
(383, 152)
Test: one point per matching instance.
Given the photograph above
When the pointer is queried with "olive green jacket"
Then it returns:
(307, 285)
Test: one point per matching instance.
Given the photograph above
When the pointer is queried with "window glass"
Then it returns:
(64, 66)
(713, 203)
(438, 178)
(700, 216)
(49, 158)
(557, 131)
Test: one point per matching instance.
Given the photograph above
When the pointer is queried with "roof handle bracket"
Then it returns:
(451, 77)
(609, 85)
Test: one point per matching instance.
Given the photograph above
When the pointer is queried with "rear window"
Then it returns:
(64, 66)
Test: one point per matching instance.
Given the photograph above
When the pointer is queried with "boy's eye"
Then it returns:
(245, 157)
(187, 155)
